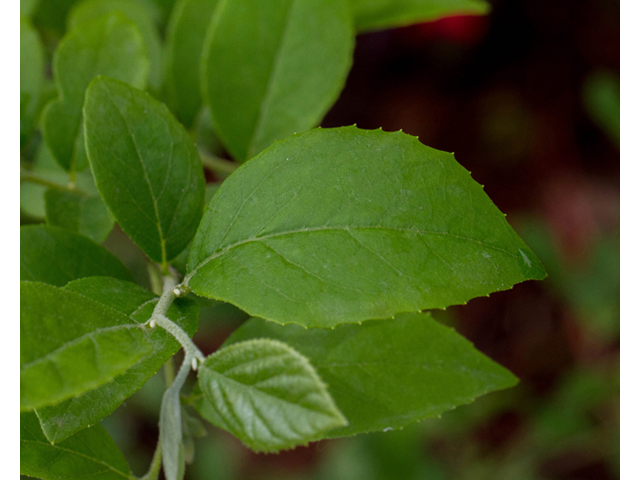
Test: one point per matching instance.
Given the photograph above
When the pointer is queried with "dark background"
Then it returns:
(528, 99)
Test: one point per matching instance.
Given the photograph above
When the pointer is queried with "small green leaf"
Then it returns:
(186, 34)
(385, 374)
(56, 256)
(85, 214)
(70, 344)
(110, 45)
(344, 225)
(146, 167)
(90, 453)
(380, 14)
(31, 77)
(137, 11)
(66, 418)
(46, 168)
(276, 71)
(267, 395)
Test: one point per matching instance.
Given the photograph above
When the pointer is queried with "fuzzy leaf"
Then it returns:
(70, 344)
(66, 418)
(385, 374)
(56, 256)
(344, 225)
(380, 14)
(276, 71)
(146, 167)
(89, 455)
(267, 395)
(110, 45)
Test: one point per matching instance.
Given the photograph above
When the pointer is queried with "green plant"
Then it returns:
(356, 233)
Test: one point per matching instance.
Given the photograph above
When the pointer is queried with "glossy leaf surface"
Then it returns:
(380, 14)
(137, 11)
(70, 344)
(56, 256)
(344, 225)
(388, 373)
(186, 34)
(110, 45)
(267, 395)
(146, 167)
(90, 454)
(66, 418)
(275, 72)
(81, 213)
(31, 76)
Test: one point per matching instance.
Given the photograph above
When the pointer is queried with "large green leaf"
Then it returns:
(82, 213)
(344, 225)
(274, 68)
(110, 45)
(56, 256)
(31, 76)
(380, 14)
(267, 395)
(185, 42)
(70, 344)
(146, 167)
(385, 374)
(139, 12)
(66, 418)
(90, 454)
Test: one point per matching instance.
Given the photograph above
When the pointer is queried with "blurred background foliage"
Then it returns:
(528, 99)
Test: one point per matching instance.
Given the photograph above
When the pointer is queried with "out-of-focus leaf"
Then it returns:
(31, 77)
(81, 213)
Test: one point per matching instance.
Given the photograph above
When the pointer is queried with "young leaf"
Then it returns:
(275, 72)
(380, 14)
(173, 460)
(267, 395)
(31, 76)
(89, 454)
(56, 256)
(64, 419)
(146, 167)
(140, 13)
(185, 42)
(110, 45)
(85, 214)
(344, 225)
(70, 344)
(386, 373)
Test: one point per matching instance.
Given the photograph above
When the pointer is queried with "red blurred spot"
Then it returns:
(461, 29)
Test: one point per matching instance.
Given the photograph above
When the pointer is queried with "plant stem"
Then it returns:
(156, 462)
(170, 292)
(154, 278)
(31, 178)
(217, 164)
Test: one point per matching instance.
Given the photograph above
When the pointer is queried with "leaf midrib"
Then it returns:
(337, 228)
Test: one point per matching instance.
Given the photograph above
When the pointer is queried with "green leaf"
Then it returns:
(267, 395)
(146, 167)
(173, 459)
(344, 225)
(139, 12)
(110, 45)
(185, 43)
(85, 214)
(385, 374)
(275, 72)
(45, 167)
(90, 454)
(70, 344)
(380, 14)
(31, 77)
(66, 418)
(56, 256)
(27, 7)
